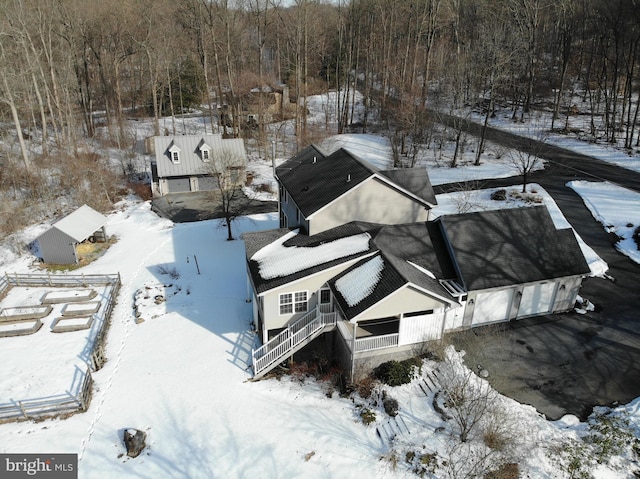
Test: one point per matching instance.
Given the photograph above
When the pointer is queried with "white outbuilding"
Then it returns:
(58, 243)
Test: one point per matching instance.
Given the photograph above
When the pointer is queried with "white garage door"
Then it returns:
(492, 306)
(537, 299)
(417, 329)
(178, 185)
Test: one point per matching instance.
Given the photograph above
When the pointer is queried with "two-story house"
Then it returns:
(384, 288)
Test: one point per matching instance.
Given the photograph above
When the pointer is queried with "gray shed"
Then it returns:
(58, 243)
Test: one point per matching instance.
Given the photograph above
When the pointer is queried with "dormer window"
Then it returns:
(205, 152)
(174, 154)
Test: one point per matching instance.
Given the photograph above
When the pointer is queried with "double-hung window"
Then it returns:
(293, 302)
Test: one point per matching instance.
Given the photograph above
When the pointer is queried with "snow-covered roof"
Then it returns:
(360, 282)
(81, 224)
(276, 260)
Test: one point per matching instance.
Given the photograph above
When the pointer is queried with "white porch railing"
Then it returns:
(366, 344)
(376, 342)
(267, 356)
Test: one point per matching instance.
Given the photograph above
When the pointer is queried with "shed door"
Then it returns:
(178, 185)
(207, 183)
(492, 306)
(537, 299)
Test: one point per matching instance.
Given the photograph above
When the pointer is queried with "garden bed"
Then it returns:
(22, 327)
(66, 324)
(74, 310)
(68, 296)
(19, 313)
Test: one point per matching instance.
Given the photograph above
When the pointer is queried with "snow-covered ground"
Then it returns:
(616, 208)
(538, 125)
(181, 374)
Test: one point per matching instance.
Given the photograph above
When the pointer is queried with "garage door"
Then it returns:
(537, 299)
(207, 183)
(492, 306)
(178, 185)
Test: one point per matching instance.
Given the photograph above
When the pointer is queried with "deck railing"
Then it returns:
(282, 345)
(366, 344)
(377, 342)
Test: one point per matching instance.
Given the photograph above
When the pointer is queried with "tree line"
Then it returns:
(69, 66)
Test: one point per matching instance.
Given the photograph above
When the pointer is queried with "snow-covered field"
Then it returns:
(178, 368)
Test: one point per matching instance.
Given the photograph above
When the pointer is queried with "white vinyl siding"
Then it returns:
(420, 328)
(372, 201)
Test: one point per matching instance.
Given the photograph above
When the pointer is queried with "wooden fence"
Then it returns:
(51, 406)
(63, 404)
(59, 280)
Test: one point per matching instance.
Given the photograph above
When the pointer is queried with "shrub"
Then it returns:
(610, 435)
(365, 386)
(367, 416)
(141, 190)
(390, 405)
(396, 373)
(508, 470)
(499, 195)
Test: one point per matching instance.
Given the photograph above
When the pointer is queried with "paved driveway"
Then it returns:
(205, 205)
(571, 362)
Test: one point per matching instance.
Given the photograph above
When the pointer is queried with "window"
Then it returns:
(205, 155)
(325, 296)
(175, 157)
(293, 302)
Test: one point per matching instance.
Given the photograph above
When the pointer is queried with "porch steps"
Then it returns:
(393, 427)
(295, 337)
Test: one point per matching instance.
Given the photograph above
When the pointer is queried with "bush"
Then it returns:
(390, 405)
(499, 195)
(509, 470)
(636, 236)
(396, 373)
(368, 416)
(365, 386)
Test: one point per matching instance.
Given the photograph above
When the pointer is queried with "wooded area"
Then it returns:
(72, 66)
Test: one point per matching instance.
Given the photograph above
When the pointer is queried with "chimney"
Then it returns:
(348, 178)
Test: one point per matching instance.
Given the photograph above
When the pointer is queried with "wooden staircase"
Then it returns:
(294, 338)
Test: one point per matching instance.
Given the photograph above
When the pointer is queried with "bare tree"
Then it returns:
(227, 167)
(527, 159)
(468, 399)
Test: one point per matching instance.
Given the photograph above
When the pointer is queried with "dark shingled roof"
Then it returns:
(415, 181)
(313, 180)
(518, 245)
(256, 241)
(400, 244)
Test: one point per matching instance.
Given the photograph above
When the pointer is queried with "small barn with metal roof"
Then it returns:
(58, 243)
